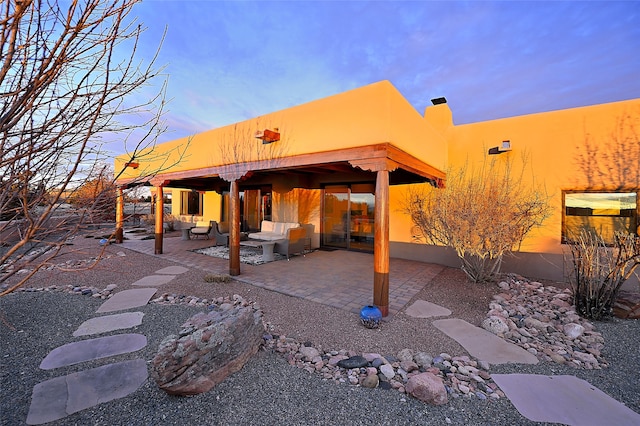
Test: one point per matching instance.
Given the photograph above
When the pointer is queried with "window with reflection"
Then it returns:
(603, 213)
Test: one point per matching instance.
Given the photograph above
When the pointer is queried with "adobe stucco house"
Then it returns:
(341, 167)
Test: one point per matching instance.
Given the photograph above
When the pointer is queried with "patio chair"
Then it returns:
(202, 230)
(295, 242)
(221, 238)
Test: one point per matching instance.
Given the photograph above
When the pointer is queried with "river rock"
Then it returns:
(371, 381)
(353, 362)
(423, 359)
(210, 347)
(427, 388)
(309, 353)
(495, 325)
(572, 330)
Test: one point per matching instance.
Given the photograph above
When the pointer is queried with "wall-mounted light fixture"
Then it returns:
(132, 164)
(268, 136)
(503, 147)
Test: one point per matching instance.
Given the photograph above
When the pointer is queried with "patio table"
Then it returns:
(267, 248)
(185, 232)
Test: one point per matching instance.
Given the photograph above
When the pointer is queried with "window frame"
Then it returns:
(563, 236)
(187, 198)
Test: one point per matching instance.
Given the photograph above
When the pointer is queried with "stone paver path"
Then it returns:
(153, 280)
(57, 398)
(563, 399)
(172, 270)
(108, 323)
(424, 309)
(127, 299)
(86, 350)
(484, 345)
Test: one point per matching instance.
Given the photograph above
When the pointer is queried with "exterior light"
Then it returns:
(132, 164)
(268, 136)
(505, 146)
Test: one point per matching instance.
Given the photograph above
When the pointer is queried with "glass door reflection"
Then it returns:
(348, 217)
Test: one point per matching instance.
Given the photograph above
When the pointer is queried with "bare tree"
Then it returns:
(67, 84)
(482, 214)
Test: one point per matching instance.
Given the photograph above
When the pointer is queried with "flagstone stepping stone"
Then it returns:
(483, 345)
(127, 299)
(563, 399)
(57, 398)
(172, 270)
(424, 309)
(108, 323)
(153, 280)
(86, 350)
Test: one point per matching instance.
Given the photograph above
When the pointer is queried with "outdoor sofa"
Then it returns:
(289, 236)
(272, 231)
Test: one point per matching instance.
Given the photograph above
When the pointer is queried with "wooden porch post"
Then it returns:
(159, 229)
(381, 243)
(234, 229)
(119, 235)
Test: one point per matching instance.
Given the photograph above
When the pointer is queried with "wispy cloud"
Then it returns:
(229, 61)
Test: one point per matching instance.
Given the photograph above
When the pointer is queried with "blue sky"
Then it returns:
(228, 61)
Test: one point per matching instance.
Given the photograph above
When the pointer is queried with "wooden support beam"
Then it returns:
(159, 228)
(234, 229)
(381, 243)
(119, 235)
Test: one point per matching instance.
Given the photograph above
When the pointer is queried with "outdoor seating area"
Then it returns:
(282, 237)
(210, 232)
(272, 231)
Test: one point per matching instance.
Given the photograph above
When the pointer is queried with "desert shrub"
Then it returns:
(168, 220)
(482, 213)
(217, 278)
(599, 270)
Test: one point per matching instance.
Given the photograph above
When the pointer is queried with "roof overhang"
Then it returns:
(403, 167)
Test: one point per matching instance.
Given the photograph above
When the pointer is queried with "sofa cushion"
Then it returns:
(278, 228)
(266, 226)
(267, 236)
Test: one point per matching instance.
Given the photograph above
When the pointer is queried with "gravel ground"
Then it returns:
(268, 390)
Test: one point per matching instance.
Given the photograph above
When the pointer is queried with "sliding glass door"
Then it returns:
(348, 216)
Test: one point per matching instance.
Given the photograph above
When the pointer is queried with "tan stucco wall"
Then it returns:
(379, 113)
(551, 142)
(368, 115)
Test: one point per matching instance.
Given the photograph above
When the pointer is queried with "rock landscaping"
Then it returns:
(430, 379)
(538, 318)
(542, 320)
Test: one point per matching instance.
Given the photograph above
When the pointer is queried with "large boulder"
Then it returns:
(627, 305)
(428, 388)
(209, 347)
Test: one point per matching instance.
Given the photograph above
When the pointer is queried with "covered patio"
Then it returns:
(367, 137)
(338, 278)
(381, 164)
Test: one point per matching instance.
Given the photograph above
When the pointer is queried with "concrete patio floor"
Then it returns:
(341, 279)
